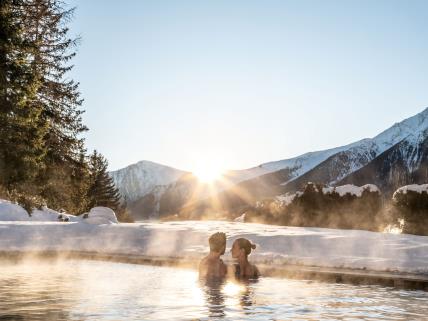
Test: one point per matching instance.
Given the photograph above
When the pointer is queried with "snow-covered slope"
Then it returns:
(141, 178)
(329, 166)
(298, 165)
(350, 158)
(402, 164)
(357, 154)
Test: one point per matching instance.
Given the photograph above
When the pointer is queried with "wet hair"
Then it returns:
(217, 241)
(245, 244)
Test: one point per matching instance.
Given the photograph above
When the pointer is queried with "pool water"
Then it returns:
(91, 290)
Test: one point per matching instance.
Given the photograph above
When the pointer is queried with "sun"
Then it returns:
(208, 174)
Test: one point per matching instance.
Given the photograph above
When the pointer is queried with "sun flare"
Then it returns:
(208, 174)
(208, 171)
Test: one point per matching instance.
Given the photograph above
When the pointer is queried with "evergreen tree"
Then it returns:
(41, 151)
(22, 146)
(45, 23)
(102, 190)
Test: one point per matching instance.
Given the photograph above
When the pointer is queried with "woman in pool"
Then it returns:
(241, 248)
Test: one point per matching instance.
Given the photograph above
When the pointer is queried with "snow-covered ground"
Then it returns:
(13, 212)
(188, 239)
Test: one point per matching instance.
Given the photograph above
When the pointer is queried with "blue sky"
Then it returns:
(240, 83)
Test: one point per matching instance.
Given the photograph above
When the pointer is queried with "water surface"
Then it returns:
(90, 290)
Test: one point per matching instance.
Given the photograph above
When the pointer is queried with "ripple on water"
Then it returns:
(86, 290)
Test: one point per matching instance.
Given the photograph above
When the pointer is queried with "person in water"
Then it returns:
(212, 266)
(241, 248)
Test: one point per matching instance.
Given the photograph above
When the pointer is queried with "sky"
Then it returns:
(240, 83)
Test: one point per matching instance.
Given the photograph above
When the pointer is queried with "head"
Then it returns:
(218, 242)
(242, 247)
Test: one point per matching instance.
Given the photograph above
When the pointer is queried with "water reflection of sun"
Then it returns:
(232, 288)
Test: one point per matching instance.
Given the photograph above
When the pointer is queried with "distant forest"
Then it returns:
(406, 211)
(43, 160)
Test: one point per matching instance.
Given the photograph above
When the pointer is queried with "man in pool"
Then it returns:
(212, 266)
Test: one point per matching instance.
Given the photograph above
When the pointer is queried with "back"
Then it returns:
(212, 267)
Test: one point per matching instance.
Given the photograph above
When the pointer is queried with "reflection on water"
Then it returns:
(85, 290)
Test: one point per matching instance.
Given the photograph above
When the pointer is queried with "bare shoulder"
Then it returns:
(203, 265)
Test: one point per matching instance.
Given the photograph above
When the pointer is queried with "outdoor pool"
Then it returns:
(95, 290)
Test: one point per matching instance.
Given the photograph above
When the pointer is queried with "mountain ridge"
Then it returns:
(329, 166)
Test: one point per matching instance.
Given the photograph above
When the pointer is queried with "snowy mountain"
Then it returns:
(350, 158)
(158, 189)
(405, 163)
(357, 154)
(140, 179)
(409, 132)
(404, 143)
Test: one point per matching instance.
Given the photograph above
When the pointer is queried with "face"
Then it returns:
(235, 250)
(223, 250)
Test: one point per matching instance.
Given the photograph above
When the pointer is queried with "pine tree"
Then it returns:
(45, 24)
(42, 155)
(22, 146)
(102, 190)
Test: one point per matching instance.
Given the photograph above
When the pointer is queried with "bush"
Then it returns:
(411, 204)
(316, 205)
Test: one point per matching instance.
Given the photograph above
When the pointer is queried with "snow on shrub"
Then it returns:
(411, 203)
(287, 199)
(351, 189)
(413, 197)
(413, 188)
(343, 190)
(10, 211)
(101, 215)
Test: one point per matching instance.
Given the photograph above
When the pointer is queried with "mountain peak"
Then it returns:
(412, 126)
(141, 178)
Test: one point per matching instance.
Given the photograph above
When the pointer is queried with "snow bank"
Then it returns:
(189, 239)
(276, 245)
(101, 215)
(13, 212)
(414, 188)
(351, 189)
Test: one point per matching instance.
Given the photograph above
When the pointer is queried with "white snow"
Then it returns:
(188, 239)
(414, 188)
(286, 199)
(275, 244)
(137, 180)
(240, 219)
(101, 215)
(351, 189)
(10, 211)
